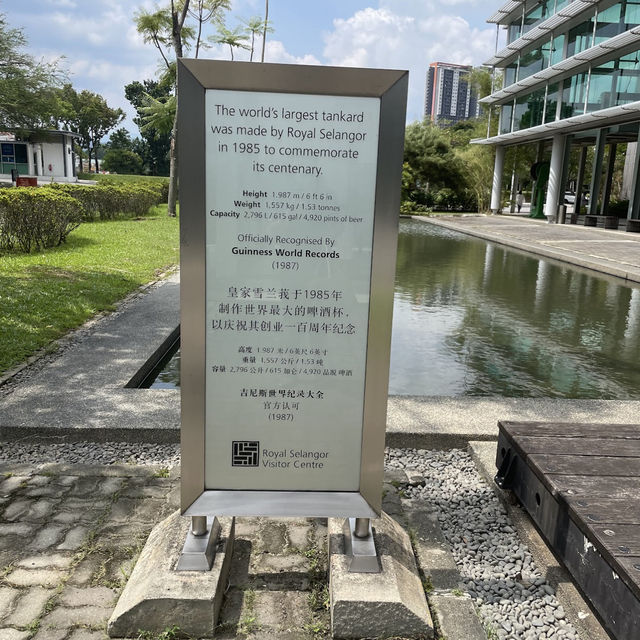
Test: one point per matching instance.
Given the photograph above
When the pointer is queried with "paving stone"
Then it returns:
(68, 517)
(40, 510)
(39, 481)
(49, 633)
(11, 484)
(123, 510)
(86, 634)
(268, 563)
(16, 529)
(88, 596)
(74, 539)
(85, 571)
(65, 617)
(42, 561)
(299, 535)
(14, 634)
(43, 492)
(17, 509)
(7, 598)
(29, 607)
(48, 536)
(108, 486)
(273, 536)
(65, 481)
(35, 577)
(280, 611)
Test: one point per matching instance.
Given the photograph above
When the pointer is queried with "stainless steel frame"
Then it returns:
(194, 78)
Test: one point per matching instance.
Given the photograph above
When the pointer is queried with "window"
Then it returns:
(506, 113)
(631, 14)
(601, 87)
(514, 30)
(580, 38)
(510, 74)
(573, 95)
(534, 61)
(608, 23)
(553, 95)
(557, 49)
(528, 112)
(627, 88)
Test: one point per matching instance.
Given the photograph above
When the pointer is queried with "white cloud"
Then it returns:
(422, 33)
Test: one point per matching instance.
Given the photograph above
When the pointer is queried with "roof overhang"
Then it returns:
(596, 120)
(615, 47)
(506, 12)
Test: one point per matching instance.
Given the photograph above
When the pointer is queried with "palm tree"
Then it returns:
(255, 25)
(235, 38)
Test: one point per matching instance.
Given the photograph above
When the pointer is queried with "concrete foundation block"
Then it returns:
(377, 605)
(157, 597)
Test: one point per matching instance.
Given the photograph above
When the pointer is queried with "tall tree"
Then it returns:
(154, 145)
(264, 28)
(234, 38)
(255, 25)
(167, 30)
(27, 87)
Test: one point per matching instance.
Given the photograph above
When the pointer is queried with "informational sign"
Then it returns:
(281, 210)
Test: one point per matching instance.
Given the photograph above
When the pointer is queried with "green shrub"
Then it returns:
(34, 219)
(110, 201)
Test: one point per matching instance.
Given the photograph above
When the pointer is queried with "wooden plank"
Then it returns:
(614, 447)
(604, 510)
(619, 539)
(605, 466)
(593, 486)
(570, 430)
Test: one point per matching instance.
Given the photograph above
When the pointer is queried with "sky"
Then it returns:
(101, 51)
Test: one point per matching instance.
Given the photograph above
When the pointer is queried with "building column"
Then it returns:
(634, 196)
(496, 192)
(596, 174)
(606, 196)
(554, 188)
(580, 179)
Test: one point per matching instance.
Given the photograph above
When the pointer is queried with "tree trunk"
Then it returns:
(173, 170)
(264, 31)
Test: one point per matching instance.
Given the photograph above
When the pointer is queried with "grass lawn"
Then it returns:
(43, 295)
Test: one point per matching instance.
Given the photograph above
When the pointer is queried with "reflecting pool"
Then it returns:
(474, 318)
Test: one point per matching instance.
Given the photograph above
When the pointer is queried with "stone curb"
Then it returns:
(453, 610)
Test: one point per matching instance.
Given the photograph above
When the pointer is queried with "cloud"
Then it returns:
(384, 38)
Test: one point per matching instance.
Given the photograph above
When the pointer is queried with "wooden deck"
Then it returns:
(580, 484)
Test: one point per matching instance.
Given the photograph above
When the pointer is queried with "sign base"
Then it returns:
(360, 551)
(199, 551)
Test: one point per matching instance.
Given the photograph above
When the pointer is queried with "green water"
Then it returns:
(473, 318)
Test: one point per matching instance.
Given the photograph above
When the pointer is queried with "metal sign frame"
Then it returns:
(195, 77)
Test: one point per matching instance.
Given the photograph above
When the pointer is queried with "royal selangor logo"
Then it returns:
(245, 453)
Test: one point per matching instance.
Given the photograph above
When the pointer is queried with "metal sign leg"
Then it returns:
(199, 548)
(360, 546)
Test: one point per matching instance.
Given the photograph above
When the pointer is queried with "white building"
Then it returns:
(44, 154)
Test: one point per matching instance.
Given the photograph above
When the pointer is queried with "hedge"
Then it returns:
(35, 219)
(107, 202)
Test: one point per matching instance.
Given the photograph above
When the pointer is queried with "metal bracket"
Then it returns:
(199, 550)
(360, 551)
(507, 468)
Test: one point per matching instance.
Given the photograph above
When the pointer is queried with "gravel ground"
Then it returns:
(512, 598)
(106, 453)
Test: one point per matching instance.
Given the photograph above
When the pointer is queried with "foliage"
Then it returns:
(46, 294)
(153, 146)
(122, 161)
(428, 153)
(36, 219)
(256, 25)
(110, 201)
(89, 115)
(27, 86)
(235, 38)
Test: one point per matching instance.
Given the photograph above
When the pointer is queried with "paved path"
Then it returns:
(615, 253)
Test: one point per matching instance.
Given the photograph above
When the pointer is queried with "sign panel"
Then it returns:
(289, 193)
(290, 203)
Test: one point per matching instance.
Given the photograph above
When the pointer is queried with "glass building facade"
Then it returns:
(611, 83)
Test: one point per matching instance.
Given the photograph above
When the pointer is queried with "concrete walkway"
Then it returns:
(615, 253)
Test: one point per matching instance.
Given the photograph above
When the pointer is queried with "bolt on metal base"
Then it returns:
(199, 549)
(360, 547)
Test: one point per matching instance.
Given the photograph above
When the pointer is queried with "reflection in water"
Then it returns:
(472, 318)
